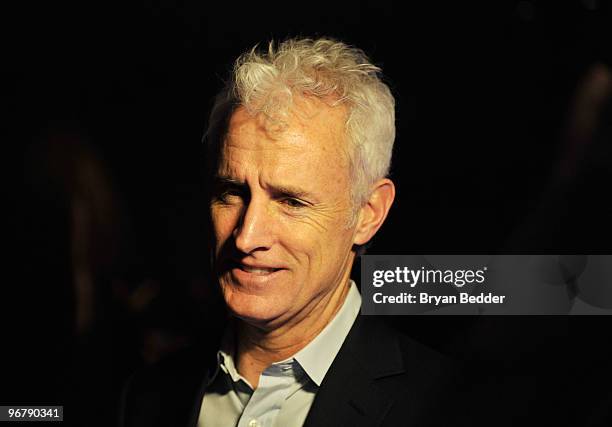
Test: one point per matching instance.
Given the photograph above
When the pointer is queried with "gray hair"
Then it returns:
(267, 81)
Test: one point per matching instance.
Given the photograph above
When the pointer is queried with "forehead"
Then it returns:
(310, 132)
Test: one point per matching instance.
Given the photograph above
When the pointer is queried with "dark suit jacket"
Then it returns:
(379, 378)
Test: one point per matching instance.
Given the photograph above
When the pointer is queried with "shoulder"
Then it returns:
(387, 377)
(383, 342)
(439, 389)
(417, 365)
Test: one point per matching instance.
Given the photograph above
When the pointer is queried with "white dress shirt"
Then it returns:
(286, 389)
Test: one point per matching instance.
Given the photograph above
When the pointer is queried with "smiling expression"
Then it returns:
(280, 211)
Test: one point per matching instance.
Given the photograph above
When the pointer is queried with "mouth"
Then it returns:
(258, 275)
(259, 271)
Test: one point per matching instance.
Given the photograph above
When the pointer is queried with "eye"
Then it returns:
(292, 202)
(226, 194)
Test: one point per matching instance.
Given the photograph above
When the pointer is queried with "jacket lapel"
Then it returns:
(349, 394)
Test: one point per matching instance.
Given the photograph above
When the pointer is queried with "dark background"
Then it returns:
(105, 106)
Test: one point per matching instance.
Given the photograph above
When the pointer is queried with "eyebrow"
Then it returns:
(219, 179)
(284, 190)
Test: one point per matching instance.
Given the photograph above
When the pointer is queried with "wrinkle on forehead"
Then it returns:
(306, 117)
(308, 153)
(302, 108)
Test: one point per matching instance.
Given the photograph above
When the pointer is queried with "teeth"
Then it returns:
(257, 270)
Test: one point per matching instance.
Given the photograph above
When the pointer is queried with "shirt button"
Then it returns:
(253, 423)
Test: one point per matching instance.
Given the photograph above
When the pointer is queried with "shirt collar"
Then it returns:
(225, 355)
(316, 358)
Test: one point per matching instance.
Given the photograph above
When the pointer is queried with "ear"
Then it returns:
(374, 212)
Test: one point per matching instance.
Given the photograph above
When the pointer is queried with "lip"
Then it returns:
(249, 265)
(255, 274)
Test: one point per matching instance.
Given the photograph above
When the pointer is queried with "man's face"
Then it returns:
(280, 211)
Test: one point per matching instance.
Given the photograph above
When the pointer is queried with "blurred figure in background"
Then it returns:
(89, 307)
(69, 239)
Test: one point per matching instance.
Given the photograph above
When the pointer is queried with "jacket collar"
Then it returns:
(349, 394)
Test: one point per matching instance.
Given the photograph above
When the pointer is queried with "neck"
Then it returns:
(258, 348)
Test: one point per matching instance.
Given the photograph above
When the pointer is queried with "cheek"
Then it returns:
(337, 242)
(224, 220)
(320, 250)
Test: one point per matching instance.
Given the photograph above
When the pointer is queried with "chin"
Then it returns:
(253, 309)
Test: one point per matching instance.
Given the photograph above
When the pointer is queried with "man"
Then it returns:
(300, 144)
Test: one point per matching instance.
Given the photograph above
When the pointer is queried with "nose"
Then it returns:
(253, 231)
